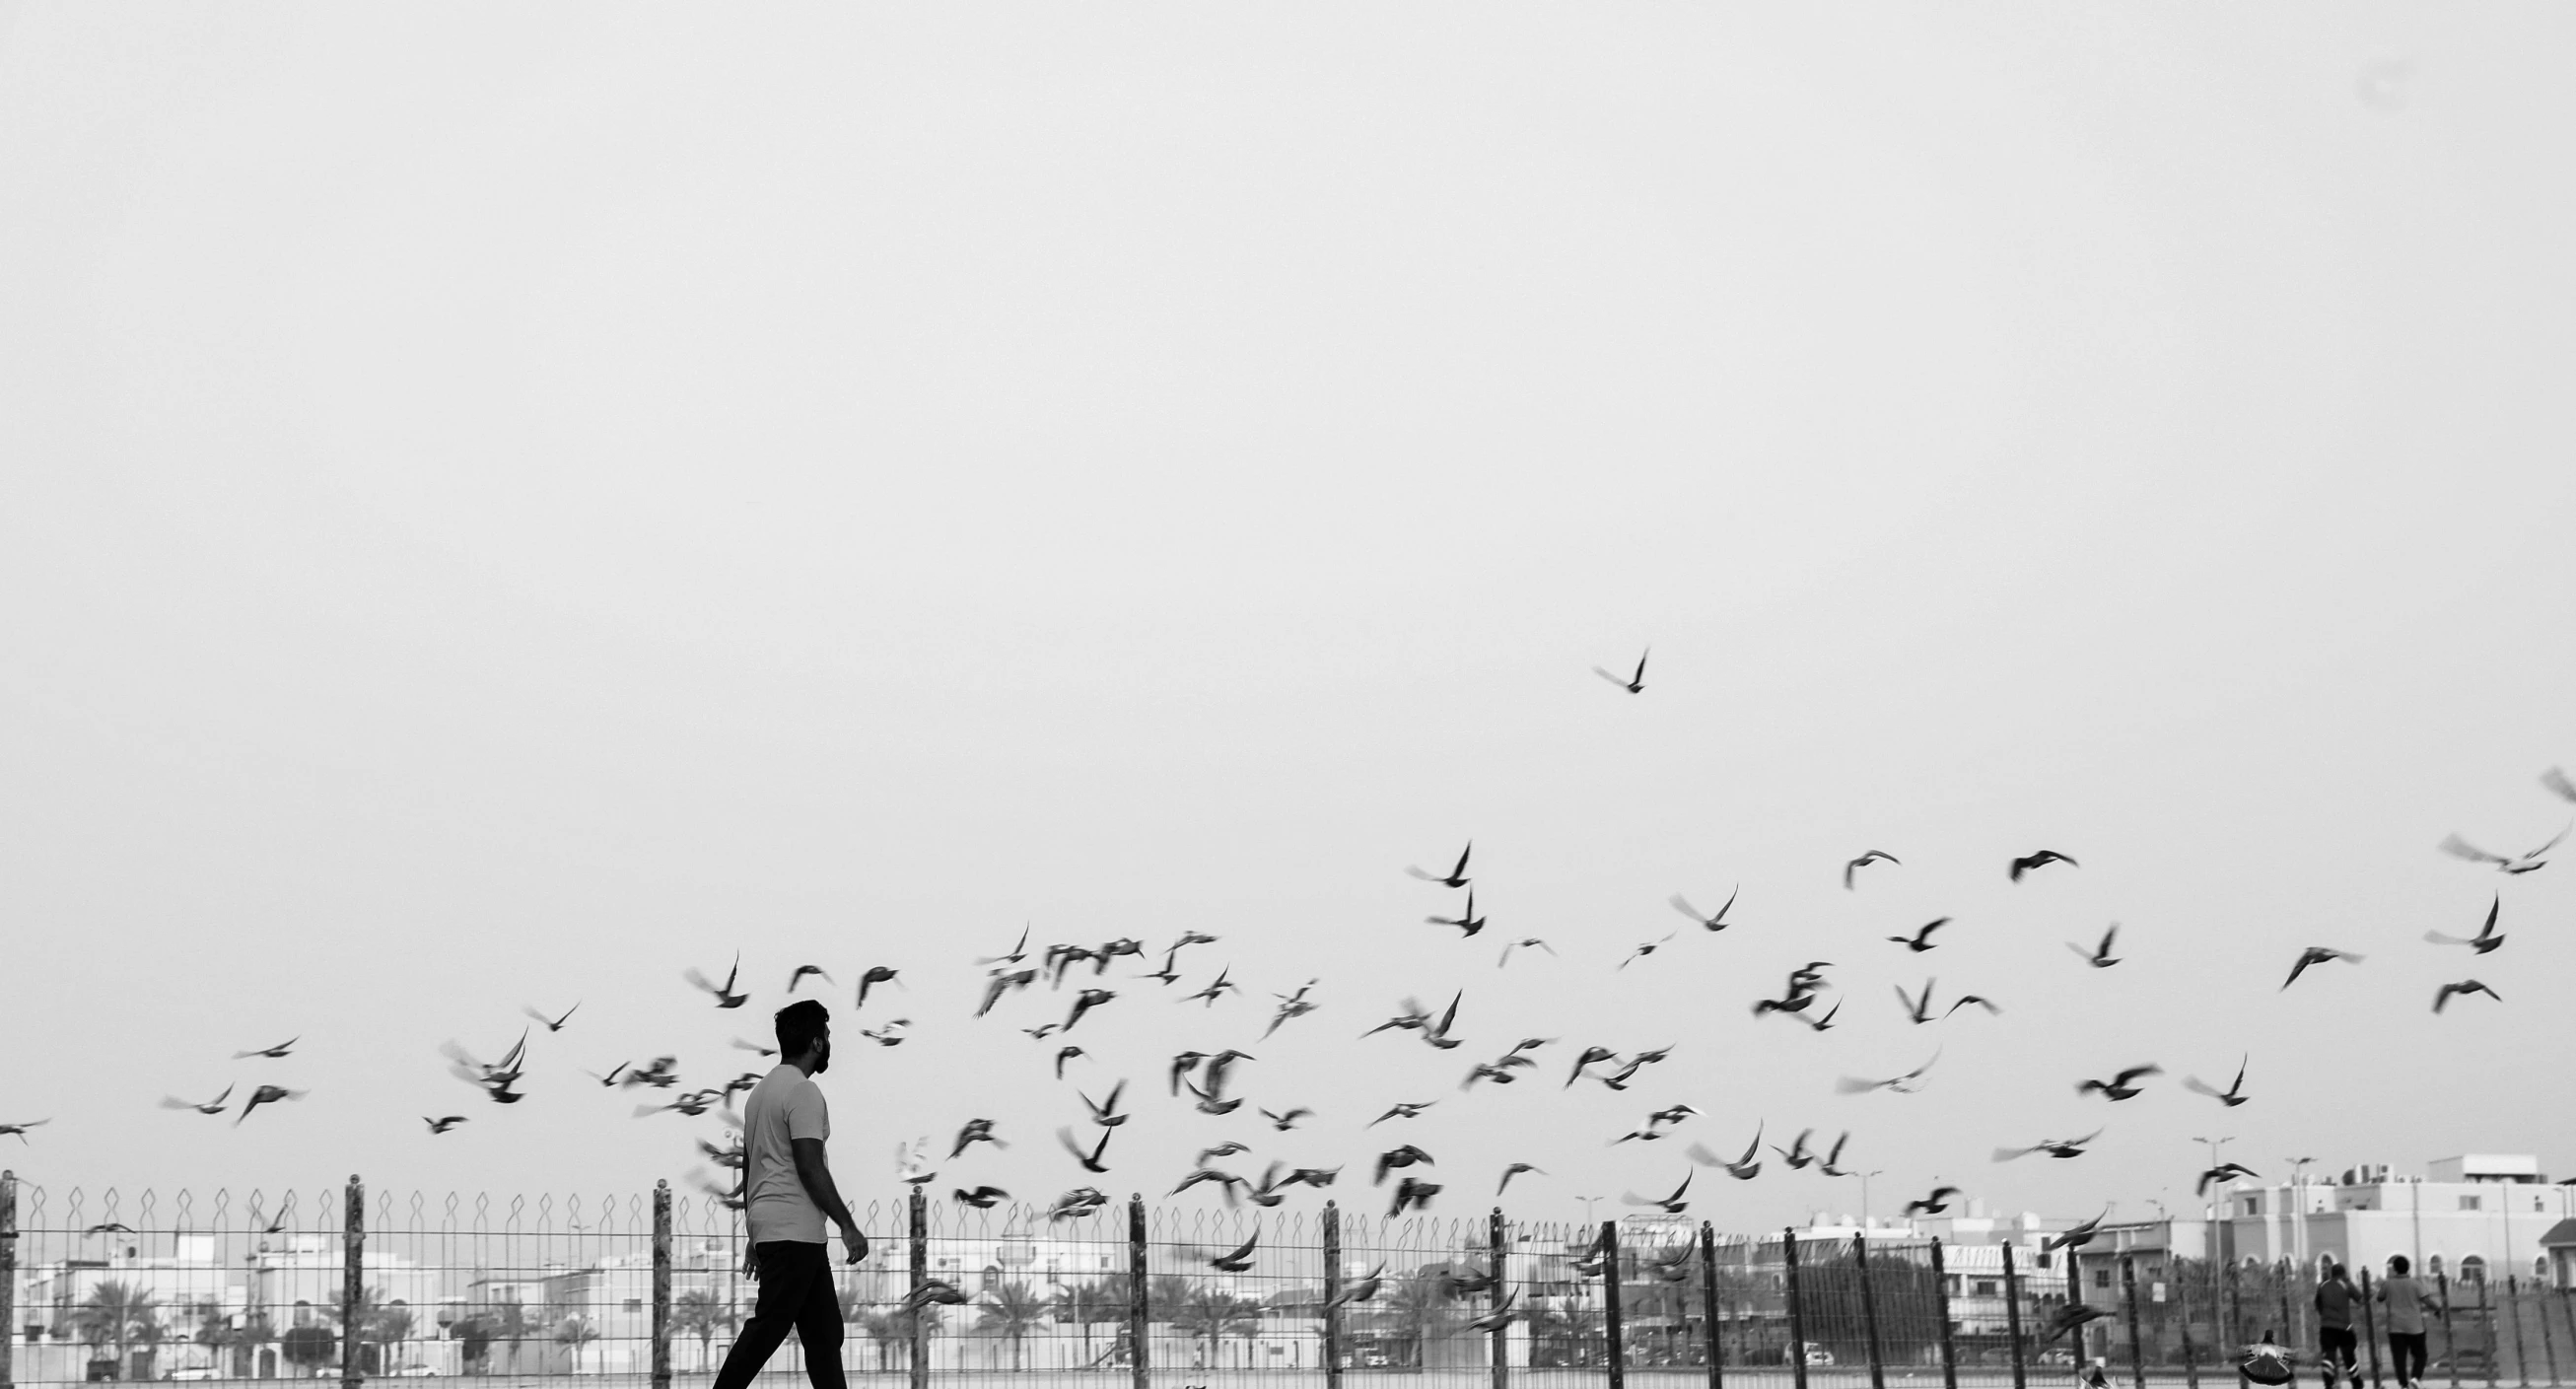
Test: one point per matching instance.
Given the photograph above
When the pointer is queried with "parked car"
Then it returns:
(1818, 1355)
(195, 1372)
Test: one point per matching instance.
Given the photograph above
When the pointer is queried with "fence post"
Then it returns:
(1949, 1352)
(2012, 1314)
(1139, 1316)
(1613, 1330)
(2182, 1315)
(2129, 1300)
(353, 1280)
(2450, 1343)
(1332, 1296)
(2486, 1323)
(1501, 1335)
(2513, 1318)
(2235, 1315)
(1797, 1318)
(917, 1226)
(1868, 1310)
(2289, 1319)
(8, 1272)
(1708, 1304)
(661, 1285)
(2369, 1329)
(2540, 1313)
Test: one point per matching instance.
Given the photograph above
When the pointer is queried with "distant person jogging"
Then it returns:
(2404, 1299)
(787, 1191)
(2335, 1343)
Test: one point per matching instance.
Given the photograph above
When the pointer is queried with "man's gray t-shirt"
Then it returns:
(785, 1105)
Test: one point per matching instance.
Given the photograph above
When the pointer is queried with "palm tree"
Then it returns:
(700, 1313)
(1212, 1312)
(1419, 1305)
(389, 1326)
(113, 1314)
(887, 1328)
(216, 1333)
(1081, 1304)
(1011, 1310)
(576, 1332)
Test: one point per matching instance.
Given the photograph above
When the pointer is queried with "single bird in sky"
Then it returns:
(1080, 1201)
(1918, 1008)
(1411, 1194)
(1712, 923)
(1436, 1033)
(1064, 1054)
(2100, 956)
(1295, 1005)
(439, 1126)
(1647, 948)
(754, 1048)
(1000, 982)
(554, 1024)
(1933, 1204)
(981, 1198)
(2232, 1096)
(1216, 989)
(1634, 684)
(1796, 1154)
(1921, 940)
(1743, 1169)
(1590, 1055)
(1669, 1205)
(1287, 1121)
(889, 1033)
(1229, 1149)
(725, 996)
(266, 1094)
(976, 1131)
(1084, 1002)
(2041, 859)
(1515, 1170)
(1905, 1084)
(1826, 1165)
(2465, 986)
(2483, 942)
(2054, 1147)
(1410, 1017)
(216, 1105)
(2119, 1087)
(1240, 1261)
(275, 1053)
(1393, 1158)
(877, 974)
(2071, 1316)
(1467, 922)
(2074, 1236)
(662, 1072)
(20, 1130)
(1090, 1161)
(1457, 875)
(2224, 1172)
(1017, 952)
(2537, 859)
(2317, 955)
(1819, 1024)
(1105, 1113)
(798, 976)
(1864, 861)
(1524, 942)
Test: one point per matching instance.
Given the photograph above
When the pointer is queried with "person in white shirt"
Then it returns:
(788, 1191)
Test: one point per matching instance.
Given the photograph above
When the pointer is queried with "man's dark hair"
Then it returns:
(799, 1023)
(2397, 1264)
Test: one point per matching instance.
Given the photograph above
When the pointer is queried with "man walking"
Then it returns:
(2335, 1343)
(787, 1192)
(2404, 1298)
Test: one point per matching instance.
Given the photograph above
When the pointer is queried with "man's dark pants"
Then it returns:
(795, 1292)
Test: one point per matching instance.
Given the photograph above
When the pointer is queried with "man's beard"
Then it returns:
(823, 1062)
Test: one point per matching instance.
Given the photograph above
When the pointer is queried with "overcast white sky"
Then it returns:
(502, 505)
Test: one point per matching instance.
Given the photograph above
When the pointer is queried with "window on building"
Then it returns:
(2473, 1269)
(2101, 1278)
(2433, 1267)
(2469, 1203)
(2540, 1269)
(2254, 1205)
(1986, 1287)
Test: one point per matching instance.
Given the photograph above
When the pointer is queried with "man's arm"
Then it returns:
(817, 1177)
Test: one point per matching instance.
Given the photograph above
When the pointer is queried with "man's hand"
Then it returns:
(751, 1261)
(853, 1243)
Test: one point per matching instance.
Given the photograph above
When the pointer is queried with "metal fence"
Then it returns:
(347, 1284)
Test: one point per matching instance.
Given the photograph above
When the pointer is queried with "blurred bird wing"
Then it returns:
(2556, 780)
(2457, 847)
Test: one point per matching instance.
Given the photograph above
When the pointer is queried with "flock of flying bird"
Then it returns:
(1208, 1078)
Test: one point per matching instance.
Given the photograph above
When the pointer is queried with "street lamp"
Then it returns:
(2209, 1209)
(1864, 1195)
